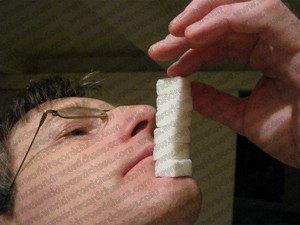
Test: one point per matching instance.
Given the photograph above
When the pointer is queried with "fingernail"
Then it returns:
(190, 34)
(152, 47)
(178, 18)
(157, 45)
(151, 51)
(170, 70)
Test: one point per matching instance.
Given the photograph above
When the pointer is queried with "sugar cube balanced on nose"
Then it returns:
(172, 135)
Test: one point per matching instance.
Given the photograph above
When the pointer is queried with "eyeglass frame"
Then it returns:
(103, 115)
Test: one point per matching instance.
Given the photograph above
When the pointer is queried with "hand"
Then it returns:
(262, 33)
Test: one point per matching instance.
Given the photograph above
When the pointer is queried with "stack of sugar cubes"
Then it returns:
(172, 135)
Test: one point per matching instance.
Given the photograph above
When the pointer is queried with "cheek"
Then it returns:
(78, 174)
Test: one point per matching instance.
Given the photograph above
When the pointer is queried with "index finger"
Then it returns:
(168, 48)
(270, 19)
(218, 106)
(195, 11)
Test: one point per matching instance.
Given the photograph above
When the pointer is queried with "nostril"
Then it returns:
(139, 127)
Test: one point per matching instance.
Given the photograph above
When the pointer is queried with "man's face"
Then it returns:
(93, 171)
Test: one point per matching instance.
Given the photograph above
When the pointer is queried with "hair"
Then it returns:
(35, 94)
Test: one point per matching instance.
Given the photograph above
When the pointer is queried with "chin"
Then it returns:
(182, 197)
(174, 200)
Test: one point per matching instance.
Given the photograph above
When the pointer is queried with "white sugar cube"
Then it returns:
(175, 84)
(171, 151)
(182, 104)
(172, 134)
(173, 168)
(179, 100)
(174, 117)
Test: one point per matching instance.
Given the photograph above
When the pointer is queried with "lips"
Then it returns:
(147, 152)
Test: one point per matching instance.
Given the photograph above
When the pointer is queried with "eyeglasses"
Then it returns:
(66, 113)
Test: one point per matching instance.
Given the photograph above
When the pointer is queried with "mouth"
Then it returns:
(141, 158)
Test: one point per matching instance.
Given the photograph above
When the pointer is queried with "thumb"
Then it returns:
(218, 106)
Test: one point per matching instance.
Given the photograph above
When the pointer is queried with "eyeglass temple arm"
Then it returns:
(44, 116)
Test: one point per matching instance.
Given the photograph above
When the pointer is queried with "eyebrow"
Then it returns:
(82, 103)
(75, 104)
(67, 105)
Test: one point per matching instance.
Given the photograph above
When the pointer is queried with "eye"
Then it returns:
(77, 132)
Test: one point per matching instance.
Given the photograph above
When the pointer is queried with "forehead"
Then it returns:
(69, 102)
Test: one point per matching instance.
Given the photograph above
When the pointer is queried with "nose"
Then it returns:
(135, 119)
